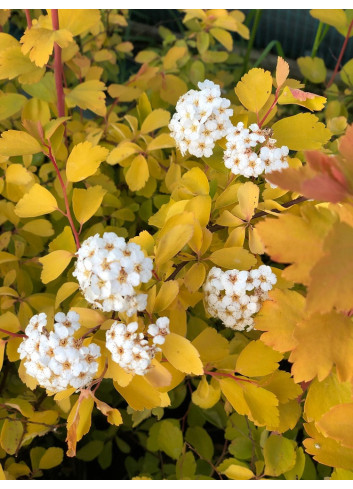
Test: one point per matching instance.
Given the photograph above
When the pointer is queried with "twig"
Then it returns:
(91, 330)
(58, 67)
(203, 458)
(28, 18)
(231, 376)
(178, 267)
(338, 64)
(15, 335)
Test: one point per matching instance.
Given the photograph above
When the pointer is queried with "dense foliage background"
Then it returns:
(85, 102)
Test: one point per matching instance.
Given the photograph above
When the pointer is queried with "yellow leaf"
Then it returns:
(79, 421)
(282, 385)
(248, 196)
(172, 88)
(161, 142)
(206, 395)
(323, 340)
(257, 360)
(78, 21)
(52, 458)
(2, 474)
(334, 16)
(112, 414)
(211, 345)
(123, 151)
(137, 173)
(238, 473)
(305, 99)
(254, 89)
(88, 95)
(322, 396)
(54, 264)
(86, 202)
(195, 277)
(67, 289)
(14, 63)
(36, 202)
(140, 394)
(11, 436)
(223, 37)
(182, 354)
(64, 241)
(2, 352)
(301, 132)
(255, 244)
(337, 424)
(84, 161)
(279, 317)
(89, 317)
(156, 119)
(159, 376)
(39, 227)
(7, 257)
(172, 56)
(172, 242)
(15, 143)
(313, 69)
(282, 71)
(233, 257)
(118, 374)
(166, 295)
(123, 93)
(39, 42)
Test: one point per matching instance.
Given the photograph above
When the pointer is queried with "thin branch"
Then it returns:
(230, 376)
(203, 458)
(15, 335)
(338, 64)
(28, 18)
(89, 331)
(178, 267)
(58, 69)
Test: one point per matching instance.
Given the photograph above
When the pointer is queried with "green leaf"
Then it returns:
(201, 441)
(279, 455)
(90, 451)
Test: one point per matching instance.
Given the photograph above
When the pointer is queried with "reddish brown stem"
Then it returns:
(155, 275)
(28, 17)
(338, 64)
(269, 110)
(15, 335)
(63, 187)
(89, 331)
(231, 376)
(58, 68)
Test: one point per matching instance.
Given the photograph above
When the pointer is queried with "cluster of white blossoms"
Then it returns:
(251, 152)
(56, 359)
(201, 118)
(133, 350)
(235, 296)
(108, 270)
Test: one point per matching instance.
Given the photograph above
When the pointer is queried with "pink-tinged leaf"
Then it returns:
(282, 71)
(300, 95)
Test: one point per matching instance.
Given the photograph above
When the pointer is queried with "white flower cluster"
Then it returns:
(108, 270)
(201, 118)
(235, 296)
(132, 350)
(56, 359)
(252, 151)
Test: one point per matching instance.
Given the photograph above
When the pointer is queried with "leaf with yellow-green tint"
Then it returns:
(171, 58)
(6, 257)
(195, 277)
(155, 120)
(211, 345)
(238, 473)
(161, 142)
(54, 264)
(278, 317)
(16, 143)
(313, 69)
(222, 36)
(297, 240)
(334, 267)
(112, 414)
(322, 396)
(78, 21)
(79, 421)
(180, 352)
(323, 340)
(337, 474)
(336, 17)
(137, 173)
(123, 151)
(52, 458)
(11, 436)
(289, 414)
(84, 161)
(10, 104)
(301, 132)
(326, 450)
(279, 453)
(254, 89)
(2, 352)
(233, 257)
(257, 360)
(86, 202)
(88, 95)
(140, 394)
(248, 197)
(282, 385)
(173, 241)
(166, 295)
(67, 289)
(337, 424)
(2, 474)
(206, 395)
(36, 202)
(282, 71)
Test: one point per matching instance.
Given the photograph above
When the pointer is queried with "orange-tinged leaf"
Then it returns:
(278, 317)
(282, 71)
(112, 414)
(36, 202)
(182, 354)
(254, 89)
(84, 161)
(257, 360)
(54, 264)
(332, 276)
(323, 340)
(337, 424)
(79, 421)
(298, 97)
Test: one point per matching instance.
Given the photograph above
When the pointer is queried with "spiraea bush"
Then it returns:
(175, 259)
